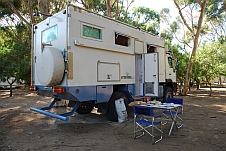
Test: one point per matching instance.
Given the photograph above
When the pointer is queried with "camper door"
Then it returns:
(151, 83)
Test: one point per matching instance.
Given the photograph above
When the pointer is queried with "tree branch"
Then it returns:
(181, 15)
(199, 2)
(203, 7)
(13, 9)
(113, 3)
(128, 5)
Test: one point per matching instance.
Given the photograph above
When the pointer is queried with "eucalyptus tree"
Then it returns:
(168, 32)
(192, 14)
(200, 24)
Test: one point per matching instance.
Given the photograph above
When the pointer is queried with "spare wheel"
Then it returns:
(50, 67)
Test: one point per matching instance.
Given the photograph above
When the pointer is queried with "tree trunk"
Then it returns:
(43, 5)
(210, 94)
(11, 86)
(220, 80)
(109, 8)
(31, 11)
(11, 90)
(195, 41)
(197, 85)
(116, 13)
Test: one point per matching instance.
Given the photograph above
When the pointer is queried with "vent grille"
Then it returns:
(149, 87)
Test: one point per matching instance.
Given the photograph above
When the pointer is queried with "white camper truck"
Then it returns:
(92, 60)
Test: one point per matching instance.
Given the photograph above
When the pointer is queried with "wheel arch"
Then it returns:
(128, 90)
(171, 84)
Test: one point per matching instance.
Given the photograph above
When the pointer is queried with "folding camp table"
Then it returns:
(172, 108)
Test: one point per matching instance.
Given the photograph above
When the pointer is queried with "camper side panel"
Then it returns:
(98, 60)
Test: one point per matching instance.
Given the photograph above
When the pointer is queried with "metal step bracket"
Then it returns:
(63, 116)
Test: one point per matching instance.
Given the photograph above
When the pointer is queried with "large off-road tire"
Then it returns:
(85, 108)
(112, 113)
(168, 93)
(50, 67)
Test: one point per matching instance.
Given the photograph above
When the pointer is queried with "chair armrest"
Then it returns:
(159, 115)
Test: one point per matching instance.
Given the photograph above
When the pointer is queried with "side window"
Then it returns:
(170, 62)
(91, 32)
(121, 40)
(49, 34)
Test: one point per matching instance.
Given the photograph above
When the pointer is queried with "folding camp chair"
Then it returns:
(176, 115)
(145, 121)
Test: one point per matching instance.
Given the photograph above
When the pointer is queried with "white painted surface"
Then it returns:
(50, 67)
(87, 52)
(151, 72)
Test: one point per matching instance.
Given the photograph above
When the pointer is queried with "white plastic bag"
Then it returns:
(121, 110)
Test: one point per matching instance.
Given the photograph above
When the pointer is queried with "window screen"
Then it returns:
(91, 32)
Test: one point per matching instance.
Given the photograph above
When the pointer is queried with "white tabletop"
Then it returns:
(163, 105)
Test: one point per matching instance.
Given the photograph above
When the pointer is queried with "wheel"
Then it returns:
(85, 108)
(167, 94)
(111, 113)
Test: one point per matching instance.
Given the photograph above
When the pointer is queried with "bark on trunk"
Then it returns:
(108, 8)
(210, 94)
(43, 5)
(116, 13)
(11, 90)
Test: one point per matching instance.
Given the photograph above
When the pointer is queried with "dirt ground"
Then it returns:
(21, 129)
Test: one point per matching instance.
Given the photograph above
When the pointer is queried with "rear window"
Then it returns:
(49, 34)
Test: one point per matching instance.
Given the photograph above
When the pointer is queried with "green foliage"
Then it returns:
(95, 6)
(165, 15)
(174, 27)
(4, 9)
(210, 62)
(182, 58)
(145, 19)
(15, 52)
(15, 40)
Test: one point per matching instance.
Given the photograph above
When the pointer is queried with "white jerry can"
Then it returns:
(121, 110)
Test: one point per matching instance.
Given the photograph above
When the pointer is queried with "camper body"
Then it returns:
(92, 60)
